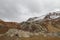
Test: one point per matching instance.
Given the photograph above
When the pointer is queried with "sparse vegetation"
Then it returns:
(47, 28)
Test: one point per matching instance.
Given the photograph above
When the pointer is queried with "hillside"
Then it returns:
(37, 28)
(5, 26)
(50, 23)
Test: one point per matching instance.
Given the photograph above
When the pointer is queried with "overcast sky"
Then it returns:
(21, 10)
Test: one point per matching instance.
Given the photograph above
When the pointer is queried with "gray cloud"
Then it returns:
(20, 10)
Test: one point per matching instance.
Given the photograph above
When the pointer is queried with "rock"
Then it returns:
(11, 32)
(23, 33)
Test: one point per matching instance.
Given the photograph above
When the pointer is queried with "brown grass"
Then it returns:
(41, 38)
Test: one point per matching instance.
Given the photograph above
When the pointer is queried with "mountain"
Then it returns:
(46, 27)
(50, 23)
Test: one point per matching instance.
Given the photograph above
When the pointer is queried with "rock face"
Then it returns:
(50, 24)
(33, 27)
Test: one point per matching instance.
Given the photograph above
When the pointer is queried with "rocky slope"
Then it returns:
(50, 23)
(37, 28)
(5, 26)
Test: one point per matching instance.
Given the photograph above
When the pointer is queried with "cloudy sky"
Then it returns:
(21, 10)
